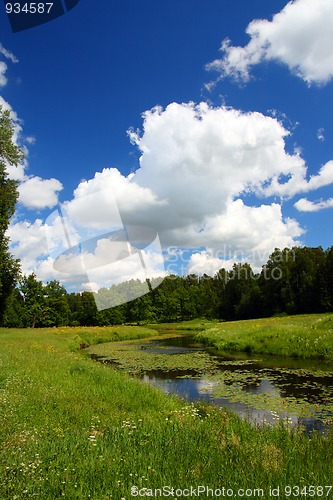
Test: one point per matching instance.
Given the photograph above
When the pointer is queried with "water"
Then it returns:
(262, 389)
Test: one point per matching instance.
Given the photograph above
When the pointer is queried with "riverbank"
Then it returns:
(304, 337)
(75, 429)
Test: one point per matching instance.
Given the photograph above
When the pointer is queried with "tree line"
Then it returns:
(293, 281)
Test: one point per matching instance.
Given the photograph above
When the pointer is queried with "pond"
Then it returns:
(260, 388)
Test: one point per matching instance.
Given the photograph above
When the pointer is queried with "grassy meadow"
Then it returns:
(308, 336)
(72, 428)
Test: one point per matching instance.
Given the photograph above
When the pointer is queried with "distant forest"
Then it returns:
(293, 281)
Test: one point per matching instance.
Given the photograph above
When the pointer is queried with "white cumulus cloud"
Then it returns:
(39, 193)
(97, 202)
(300, 36)
(305, 205)
(196, 163)
(205, 263)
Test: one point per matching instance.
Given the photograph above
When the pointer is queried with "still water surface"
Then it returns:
(262, 389)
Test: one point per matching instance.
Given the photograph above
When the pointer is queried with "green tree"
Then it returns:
(14, 313)
(306, 278)
(242, 291)
(276, 283)
(10, 154)
(57, 310)
(210, 301)
(87, 311)
(294, 281)
(141, 310)
(327, 282)
(112, 316)
(32, 291)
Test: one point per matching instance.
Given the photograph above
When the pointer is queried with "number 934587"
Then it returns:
(29, 8)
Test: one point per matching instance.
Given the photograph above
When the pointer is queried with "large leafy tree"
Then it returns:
(34, 308)
(57, 309)
(10, 154)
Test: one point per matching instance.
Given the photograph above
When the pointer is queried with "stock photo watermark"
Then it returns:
(288, 491)
(24, 15)
(96, 258)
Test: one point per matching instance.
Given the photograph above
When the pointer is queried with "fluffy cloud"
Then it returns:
(29, 244)
(300, 36)
(3, 66)
(97, 202)
(304, 205)
(32, 241)
(28, 239)
(298, 183)
(323, 178)
(39, 193)
(252, 231)
(196, 162)
(244, 234)
(205, 263)
(198, 158)
(197, 166)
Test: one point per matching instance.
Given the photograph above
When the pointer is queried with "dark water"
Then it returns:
(262, 389)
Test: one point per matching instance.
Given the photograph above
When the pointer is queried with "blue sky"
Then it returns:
(249, 169)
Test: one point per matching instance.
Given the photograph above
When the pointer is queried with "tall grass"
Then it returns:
(305, 336)
(75, 429)
(77, 336)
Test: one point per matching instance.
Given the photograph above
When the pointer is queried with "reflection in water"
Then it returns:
(192, 389)
(262, 390)
(282, 384)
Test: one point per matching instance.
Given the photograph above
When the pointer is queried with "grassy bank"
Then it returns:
(75, 429)
(304, 336)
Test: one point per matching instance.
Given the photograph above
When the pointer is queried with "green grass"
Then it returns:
(304, 336)
(188, 326)
(75, 429)
(76, 336)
